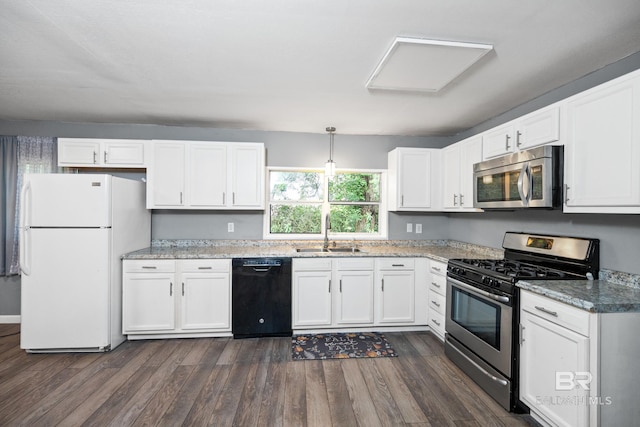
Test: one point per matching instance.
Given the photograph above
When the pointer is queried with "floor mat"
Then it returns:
(340, 346)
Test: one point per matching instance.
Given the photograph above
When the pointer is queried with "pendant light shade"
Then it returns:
(330, 166)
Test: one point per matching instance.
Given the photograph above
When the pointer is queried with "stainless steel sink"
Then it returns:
(344, 250)
(321, 250)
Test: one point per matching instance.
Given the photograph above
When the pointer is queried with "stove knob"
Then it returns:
(486, 280)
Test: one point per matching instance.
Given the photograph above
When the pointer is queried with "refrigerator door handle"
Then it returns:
(24, 228)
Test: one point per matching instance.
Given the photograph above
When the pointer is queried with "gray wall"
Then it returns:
(617, 232)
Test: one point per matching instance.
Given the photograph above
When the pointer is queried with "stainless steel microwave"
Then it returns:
(527, 179)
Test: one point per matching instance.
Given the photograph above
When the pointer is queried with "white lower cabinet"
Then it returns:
(359, 293)
(171, 298)
(437, 296)
(311, 293)
(395, 287)
(578, 368)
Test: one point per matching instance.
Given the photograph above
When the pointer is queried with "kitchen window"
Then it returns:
(300, 199)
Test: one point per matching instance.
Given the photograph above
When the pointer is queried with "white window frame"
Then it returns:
(326, 206)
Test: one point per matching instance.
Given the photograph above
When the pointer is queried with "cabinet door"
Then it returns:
(166, 178)
(498, 142)
(354, 302)
(397, 297)
(248, 169)
(538, 128)
(546, 350)
(414, 181)
(451, 157)
(123, 153)
(470, 153)
(148, 302)
(311, 298)
(206, 299)
(602, 154)
(78, 152)
(207, 175)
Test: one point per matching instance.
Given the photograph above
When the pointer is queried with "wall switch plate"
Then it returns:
(230, 227)
(409, 227)
(418, 228)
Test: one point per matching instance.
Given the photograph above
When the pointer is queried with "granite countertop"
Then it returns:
(595, 296)
(440, 250)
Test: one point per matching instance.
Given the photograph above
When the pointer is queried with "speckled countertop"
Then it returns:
(441, 250)
(610, 295)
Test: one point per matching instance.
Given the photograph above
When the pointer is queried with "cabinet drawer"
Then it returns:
(438, 284)
(437, 302)
(438, 267)
(311, 264)
(149, 266)
(354, 264)
(436, 322)
(562, 314)
(205, 265)
(395, 263)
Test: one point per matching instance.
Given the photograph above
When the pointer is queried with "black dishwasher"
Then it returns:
(261, 297)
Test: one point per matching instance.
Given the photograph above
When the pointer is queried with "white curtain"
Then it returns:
(35, 155)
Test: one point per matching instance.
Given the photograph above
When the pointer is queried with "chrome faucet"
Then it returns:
(327, 226)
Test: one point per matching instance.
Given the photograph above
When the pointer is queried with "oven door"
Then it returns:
(518, 185)
(482, 322)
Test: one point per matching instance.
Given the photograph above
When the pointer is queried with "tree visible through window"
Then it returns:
(300, 199)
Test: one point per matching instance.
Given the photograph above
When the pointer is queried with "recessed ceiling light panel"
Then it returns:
(423, 65)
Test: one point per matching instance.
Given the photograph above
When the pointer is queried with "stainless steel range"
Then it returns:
(483, 304)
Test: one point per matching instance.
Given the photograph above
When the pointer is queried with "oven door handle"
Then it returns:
(481, 369)
(499, 298)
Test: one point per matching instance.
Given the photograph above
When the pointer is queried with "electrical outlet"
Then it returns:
(409, 227)
(418, 228)
(230, 227)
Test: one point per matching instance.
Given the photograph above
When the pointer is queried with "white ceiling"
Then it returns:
(292, 65)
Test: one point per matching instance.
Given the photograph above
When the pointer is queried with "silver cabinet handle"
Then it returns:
(329, 285)
(205, 268)
(435, 321)
(170, 288)
(181, 197)
(518, 143)
(95, 157)
(566, 193)
(182, 288)
(455, 200)
(436, 269)
(435, 284)
(224, 198)
(437, 304)
(149, 267)
(382, 285)
(233, 198)
(506, 142)
(544, 310)
(402, 200)
(105, 156)
(461, 199)
(340, 285)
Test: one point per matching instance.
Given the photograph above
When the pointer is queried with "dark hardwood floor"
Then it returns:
(251, 382)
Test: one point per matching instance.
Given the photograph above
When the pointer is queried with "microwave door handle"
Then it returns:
(523, 173)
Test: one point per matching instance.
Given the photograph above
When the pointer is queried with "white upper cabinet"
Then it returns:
(457, 174)
(414, 179)
(602, 151)
(101, 153)
(206, 175)
(538, 128)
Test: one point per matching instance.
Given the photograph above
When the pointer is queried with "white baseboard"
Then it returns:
(10, 318)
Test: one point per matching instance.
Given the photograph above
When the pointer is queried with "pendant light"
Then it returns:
(330, 166)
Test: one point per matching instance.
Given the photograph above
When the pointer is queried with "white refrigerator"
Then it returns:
(74, 228)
